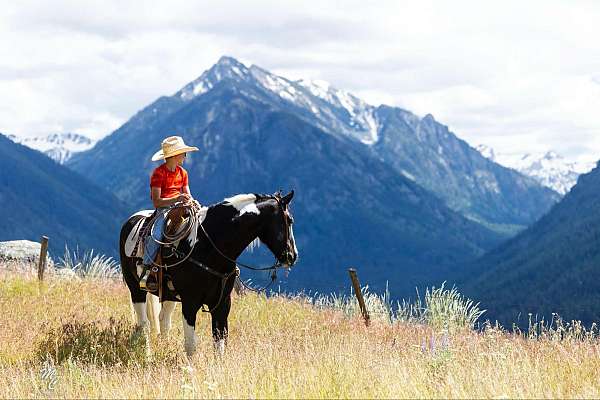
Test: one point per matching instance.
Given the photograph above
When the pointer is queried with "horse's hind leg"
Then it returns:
(138, 301)
(165, 316)
(138, 296)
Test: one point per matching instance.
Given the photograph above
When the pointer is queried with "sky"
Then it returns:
(518, 76)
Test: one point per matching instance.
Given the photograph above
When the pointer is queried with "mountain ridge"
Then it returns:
(488, 193)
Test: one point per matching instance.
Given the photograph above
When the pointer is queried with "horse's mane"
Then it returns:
(239, 201)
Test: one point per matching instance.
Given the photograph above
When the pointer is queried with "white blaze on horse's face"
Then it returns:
(292, 241)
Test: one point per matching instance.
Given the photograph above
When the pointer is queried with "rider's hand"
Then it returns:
(184, 198)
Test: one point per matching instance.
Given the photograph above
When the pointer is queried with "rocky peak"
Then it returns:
(225, 68)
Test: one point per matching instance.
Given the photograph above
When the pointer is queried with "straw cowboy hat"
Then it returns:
(172, 146)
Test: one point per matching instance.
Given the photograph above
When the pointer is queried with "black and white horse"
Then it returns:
(207, 277)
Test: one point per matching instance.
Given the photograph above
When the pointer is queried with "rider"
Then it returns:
(168, 185)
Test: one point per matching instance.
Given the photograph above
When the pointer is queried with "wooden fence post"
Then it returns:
(359, 296)
(43, 253)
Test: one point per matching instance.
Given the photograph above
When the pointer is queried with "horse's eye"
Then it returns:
(291, 220)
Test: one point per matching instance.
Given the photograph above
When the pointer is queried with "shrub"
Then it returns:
(115, 342)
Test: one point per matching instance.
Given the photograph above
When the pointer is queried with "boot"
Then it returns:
(149, 279)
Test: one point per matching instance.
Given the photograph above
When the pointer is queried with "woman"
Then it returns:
(168, 185)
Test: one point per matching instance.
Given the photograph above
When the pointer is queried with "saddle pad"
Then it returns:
(134, 235)
(134, 246)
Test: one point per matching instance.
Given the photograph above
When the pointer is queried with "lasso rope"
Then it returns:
(182, 233)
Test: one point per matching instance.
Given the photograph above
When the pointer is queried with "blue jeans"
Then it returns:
(150, 245)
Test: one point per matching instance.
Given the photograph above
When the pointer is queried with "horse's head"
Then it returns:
(277, 231)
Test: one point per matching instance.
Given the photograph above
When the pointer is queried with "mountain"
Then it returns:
(419, 148)
(40, 197)
(351, 208)
(553, 266)
(58, 146)
(549, 169)
(427, 152)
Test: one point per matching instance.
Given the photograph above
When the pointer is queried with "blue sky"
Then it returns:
(518, 76)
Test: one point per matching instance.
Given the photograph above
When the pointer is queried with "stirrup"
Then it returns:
(144, 284)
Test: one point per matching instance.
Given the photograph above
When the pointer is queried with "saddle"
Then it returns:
(134, 245)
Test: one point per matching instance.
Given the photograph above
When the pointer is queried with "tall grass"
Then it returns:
(75, 339)
(442, 309)
(89, 265)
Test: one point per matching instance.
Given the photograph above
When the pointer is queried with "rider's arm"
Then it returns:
(165, 202)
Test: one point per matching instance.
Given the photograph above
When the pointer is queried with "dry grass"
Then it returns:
(279, 348)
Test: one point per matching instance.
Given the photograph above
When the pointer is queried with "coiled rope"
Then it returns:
(170, 240)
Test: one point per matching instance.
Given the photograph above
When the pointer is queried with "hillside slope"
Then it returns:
(40, 197)
(277, 348)
(554, 266)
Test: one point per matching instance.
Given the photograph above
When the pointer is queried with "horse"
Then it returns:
(201, 271)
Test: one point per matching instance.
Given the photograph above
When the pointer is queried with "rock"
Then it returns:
(22, 250)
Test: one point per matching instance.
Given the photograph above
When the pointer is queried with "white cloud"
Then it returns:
(520, 76)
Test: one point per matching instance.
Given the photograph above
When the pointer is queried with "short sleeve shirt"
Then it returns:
(171, 183)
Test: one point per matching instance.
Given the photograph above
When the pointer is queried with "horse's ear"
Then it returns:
(288, 197)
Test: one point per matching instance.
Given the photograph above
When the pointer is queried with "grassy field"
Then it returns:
(279, 348)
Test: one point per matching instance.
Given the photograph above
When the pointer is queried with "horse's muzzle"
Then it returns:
(289, 258)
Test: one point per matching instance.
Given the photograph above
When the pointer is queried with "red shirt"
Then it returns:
(171, 183)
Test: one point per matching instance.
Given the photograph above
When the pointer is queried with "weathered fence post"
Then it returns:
(359, 296)
(42, 264)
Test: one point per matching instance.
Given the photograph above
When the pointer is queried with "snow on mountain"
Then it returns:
(336, 111)
(487, 152)
(361, 115)
(549, 169)
(58, 146)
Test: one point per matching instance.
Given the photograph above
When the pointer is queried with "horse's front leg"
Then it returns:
(220, 328)
(189, 311)
(164, 317)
